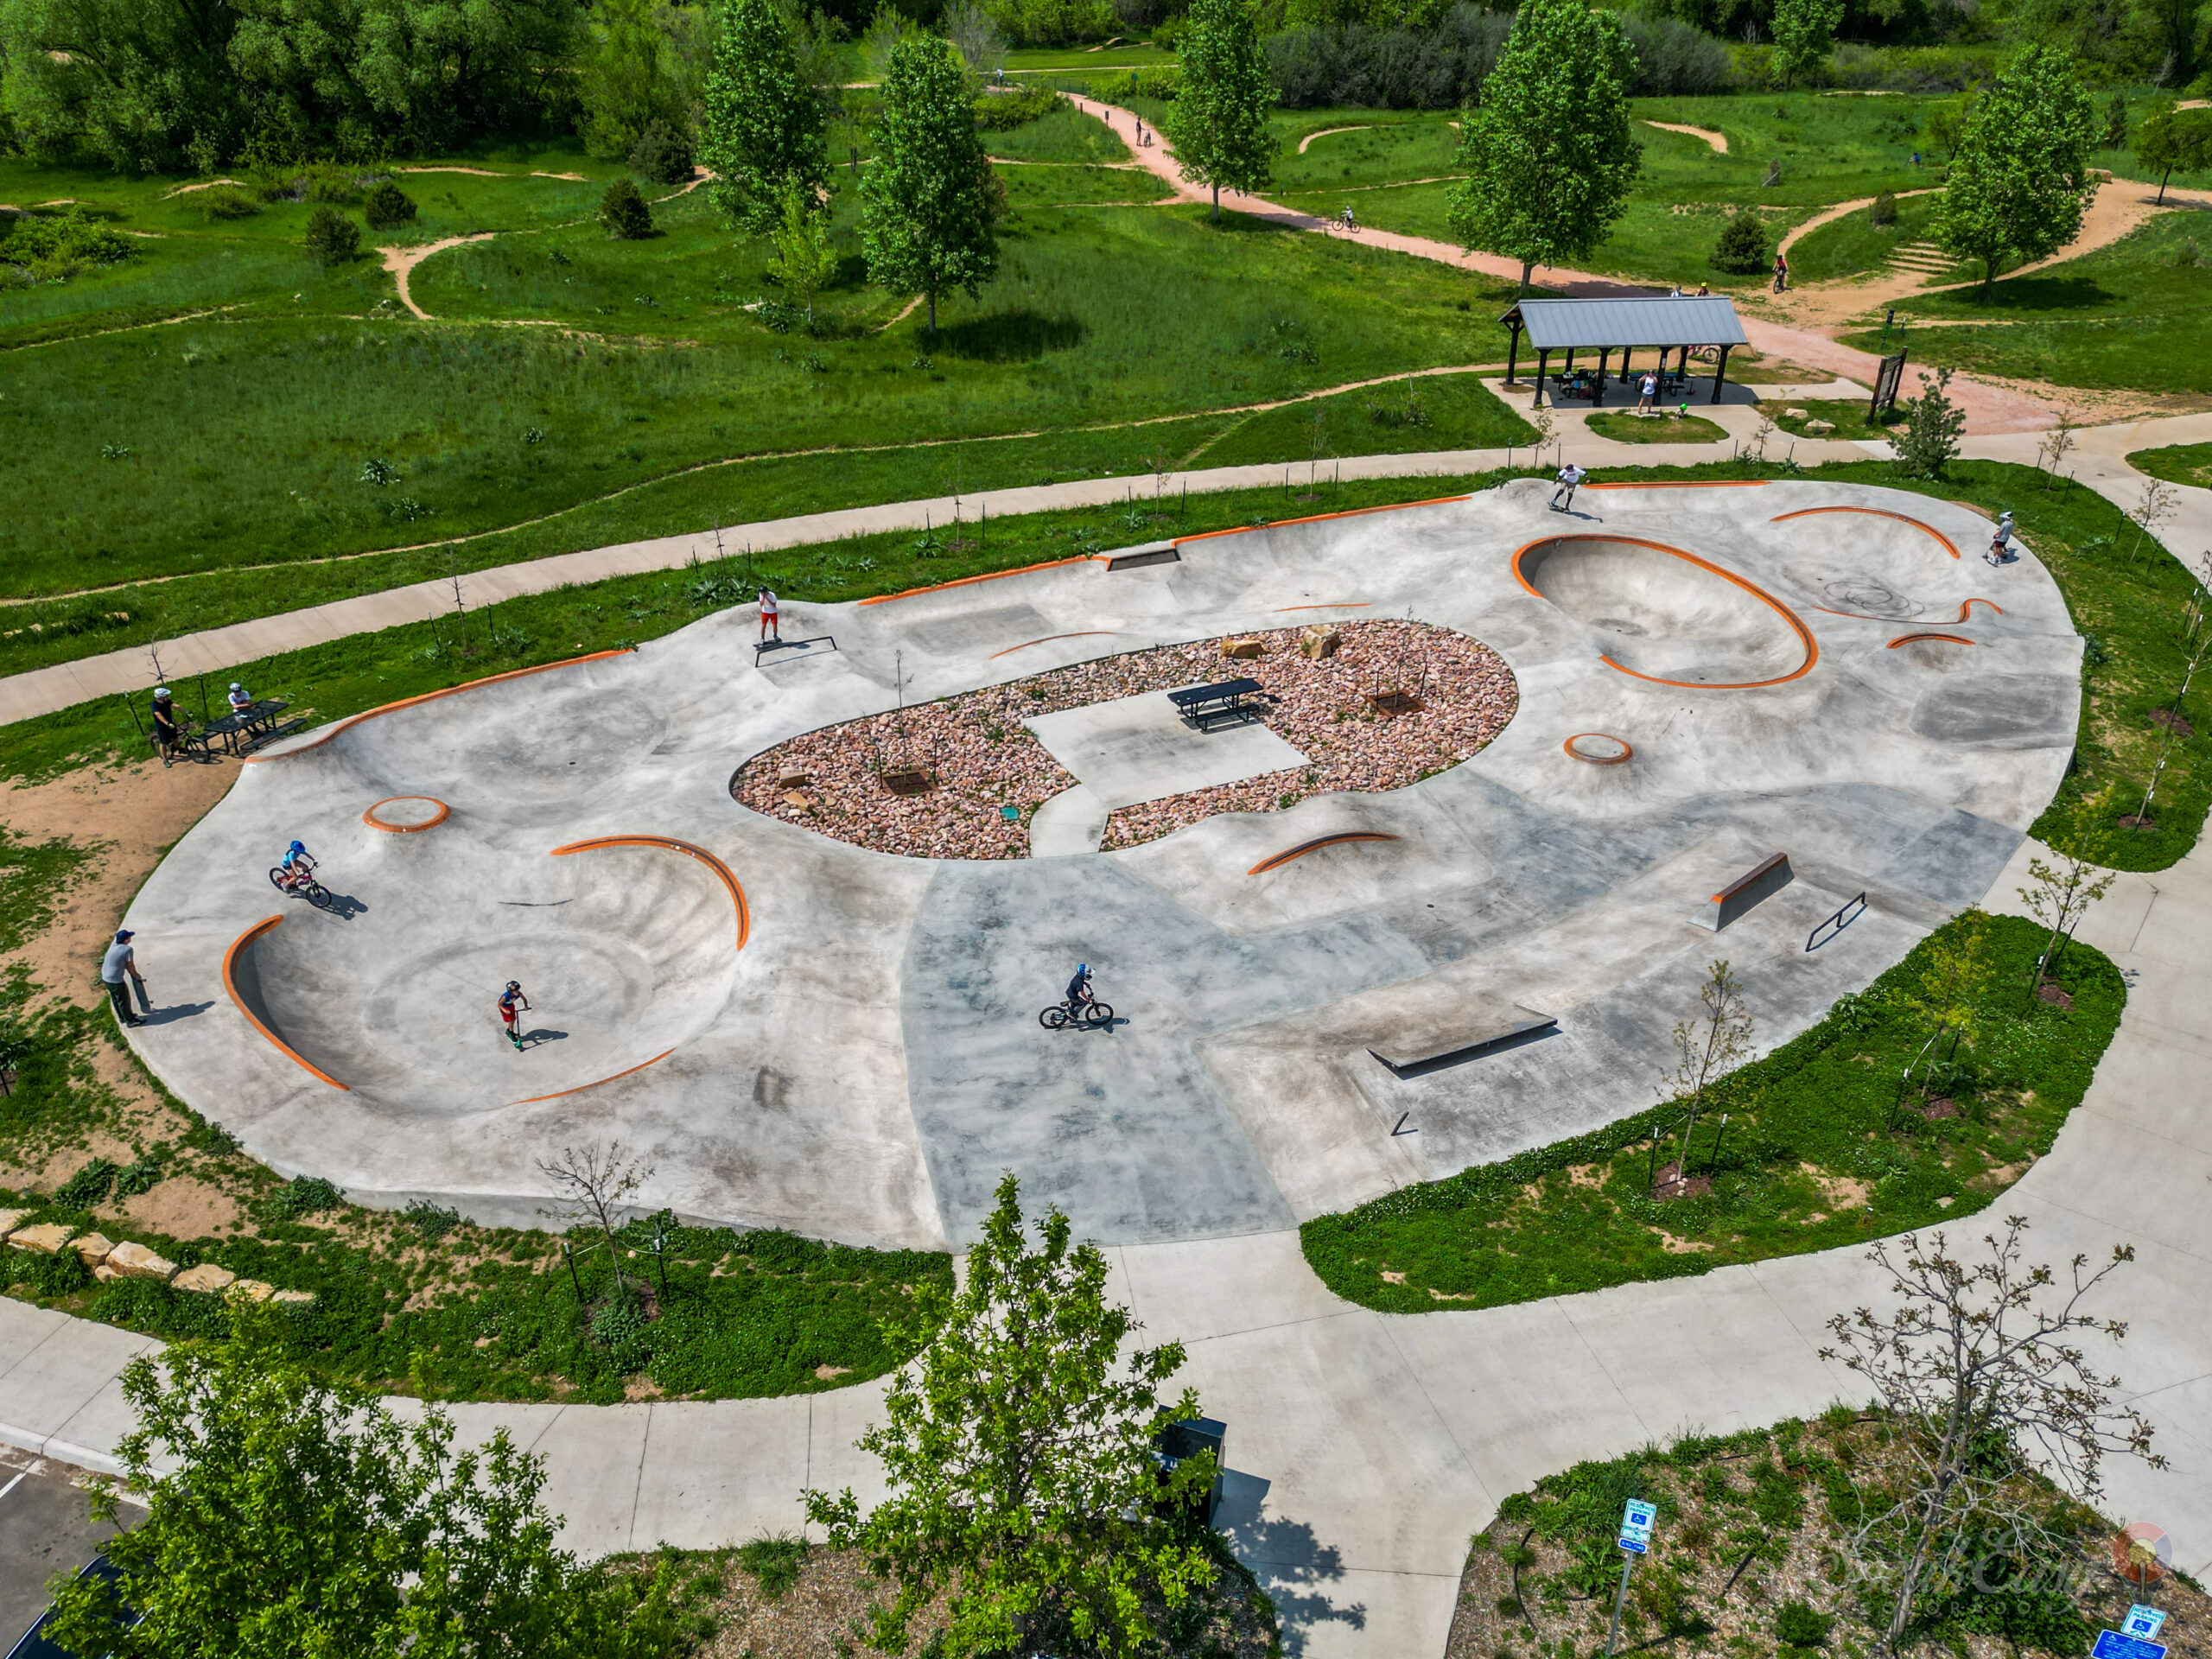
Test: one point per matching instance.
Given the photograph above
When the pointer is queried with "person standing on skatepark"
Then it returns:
(512, 1001)
(118, 960)
(771, 617)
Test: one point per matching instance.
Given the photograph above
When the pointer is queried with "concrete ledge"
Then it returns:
(1735, 900)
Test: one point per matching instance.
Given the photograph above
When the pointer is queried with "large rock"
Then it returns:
(207, 1278)
(251, 1290)
(46, 1238)
(136, 1261)
(9, 1220)
(1319, 641)
(1794, 414)
(93, 1247)
(1818, 429)
(293, 1296)
(1246, 648)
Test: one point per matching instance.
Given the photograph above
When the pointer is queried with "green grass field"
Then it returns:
(1624, 426)
(2134, 315)
(2180, 463)
(1854, 245)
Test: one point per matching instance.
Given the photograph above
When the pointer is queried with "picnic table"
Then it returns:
(1229, 702)
(254, 722)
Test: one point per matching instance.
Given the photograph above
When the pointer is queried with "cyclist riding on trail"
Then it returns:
(296, 865)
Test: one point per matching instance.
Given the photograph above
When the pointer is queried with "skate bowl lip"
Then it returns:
(722, 873)
(237, 997)
(351, 721)
(1627, 754)
(370, 817)
(1276, 860)
(1942, 540)
(1795, 623)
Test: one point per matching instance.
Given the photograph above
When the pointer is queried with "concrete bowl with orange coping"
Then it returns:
(796, 1031)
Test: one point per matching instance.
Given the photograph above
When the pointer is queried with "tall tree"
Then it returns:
(930, 204)
(1548, 156)
(287, 1516)
(1220, 133)
(2020, 180)
(641, 63)
(1804, 32)
(767, 128)
(2171, 137)
(1020, 1453)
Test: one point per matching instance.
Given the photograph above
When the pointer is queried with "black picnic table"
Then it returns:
(1229, 703)
(255, 719)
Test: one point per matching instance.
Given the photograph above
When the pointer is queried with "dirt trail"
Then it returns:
(1717, 140)
(1829, 215)
(1328, 132)
(205, 184)
(401, 262)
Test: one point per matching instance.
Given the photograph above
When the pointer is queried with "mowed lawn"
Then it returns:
(2136, 314)
(217, 400)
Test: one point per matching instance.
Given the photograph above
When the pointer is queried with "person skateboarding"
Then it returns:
(771, 617)
(1563, 497)
(513, 1001)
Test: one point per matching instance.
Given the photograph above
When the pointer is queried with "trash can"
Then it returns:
(1179, 1441)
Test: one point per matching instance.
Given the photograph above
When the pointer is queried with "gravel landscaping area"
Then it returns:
(969, 759)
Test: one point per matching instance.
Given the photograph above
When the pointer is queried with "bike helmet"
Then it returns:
(297, 847)
(161, 693)
(1083, 967)
(235, 686)
(514, 984)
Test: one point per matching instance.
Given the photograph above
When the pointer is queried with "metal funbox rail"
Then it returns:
(1836, 924)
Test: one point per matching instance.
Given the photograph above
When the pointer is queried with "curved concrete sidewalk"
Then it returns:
(2098, 462)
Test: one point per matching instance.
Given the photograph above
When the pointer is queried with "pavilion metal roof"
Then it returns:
(1662, 319)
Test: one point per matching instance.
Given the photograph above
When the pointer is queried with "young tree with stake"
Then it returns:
(1548, 156)
(1981, 1370)
(930, 205)
(1020, 1453)
(805, 263)
(766, 131)
(594, 1184)
(2020, 180)
(2172, 137)
(1221, 114)
(1706, 1048)
(1949, 994)
(2063, 886)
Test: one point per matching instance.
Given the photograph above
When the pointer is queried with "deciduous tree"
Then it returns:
(1548, 156)
(2020, 180)
(1019, 1454)
(930, 205)
(1706, 1047)
(287, 1516)
(1804, 30)
(1981, 1370)
(1929, 442)
(805, 262)
(1220, 134)
(1950, 993)
(2171, 137)
(2060, 889)
(765, 126)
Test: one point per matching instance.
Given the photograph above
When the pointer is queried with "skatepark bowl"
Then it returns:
(798, 1030)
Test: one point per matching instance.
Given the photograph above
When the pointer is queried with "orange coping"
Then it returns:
(1965, 611)
(1804, 634)
(1315, 846)
(532, 1100)
(1319, 517)
(1086, 633)
(722, 870)
(1949, 638)
(1628, 749)
(230, 984)
(1943, 541)
(430, 696)
(370, 817)
(987, 576)
(1684, 484)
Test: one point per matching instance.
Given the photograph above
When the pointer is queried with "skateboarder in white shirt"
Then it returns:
(771, 618)
(1563, 497)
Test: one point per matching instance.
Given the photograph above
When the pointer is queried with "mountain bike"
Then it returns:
(1091, 1016)
(311, 890)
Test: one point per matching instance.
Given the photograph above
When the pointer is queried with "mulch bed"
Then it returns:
(2054, 994)
(1669, 1184)
(2172, 721)
(982, 760)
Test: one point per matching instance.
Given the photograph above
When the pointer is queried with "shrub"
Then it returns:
(1742, 246)
(1120, 86)
(774, 1560)
(1052, 22)
(332, 239)
(430, 1220)
(387, 206)
(52, 250)
(304, 1195)
(624, 212)
(1004, 112)
(1884, 213)
(662, 154)
(228, 201)
(1800, 1626)
(87, 1187)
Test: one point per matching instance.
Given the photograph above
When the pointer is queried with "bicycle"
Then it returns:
(1091, 1016)
(310, 889)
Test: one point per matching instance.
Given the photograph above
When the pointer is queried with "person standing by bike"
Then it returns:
(169, 726)
(121, 960)
(512, 1001)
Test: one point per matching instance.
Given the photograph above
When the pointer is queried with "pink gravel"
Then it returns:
(984, 760)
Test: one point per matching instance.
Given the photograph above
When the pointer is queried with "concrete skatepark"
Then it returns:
(803, 1033)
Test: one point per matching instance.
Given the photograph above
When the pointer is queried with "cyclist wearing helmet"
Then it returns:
(511, 1000)
(1080, 989)
(296, 865)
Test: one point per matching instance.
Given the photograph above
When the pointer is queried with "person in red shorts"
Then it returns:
(511, 1001)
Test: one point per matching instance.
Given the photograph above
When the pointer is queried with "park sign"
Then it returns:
(1636, 1529)
(2111, 1644)
(2143, 1622)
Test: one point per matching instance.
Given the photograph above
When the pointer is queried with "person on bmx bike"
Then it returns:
(1081, 1008)
(296, 867)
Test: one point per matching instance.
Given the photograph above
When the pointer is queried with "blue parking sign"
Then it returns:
(2111, 1644)
(1635, 1526)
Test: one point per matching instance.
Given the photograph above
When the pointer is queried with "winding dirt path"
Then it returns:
(401, 262)
(1327, 132)
(1717, 140)
(1829, 215)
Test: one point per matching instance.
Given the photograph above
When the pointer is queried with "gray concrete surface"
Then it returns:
(46, 1529)
(870, 1060)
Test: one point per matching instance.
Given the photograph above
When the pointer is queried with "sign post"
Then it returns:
(1635, 1540)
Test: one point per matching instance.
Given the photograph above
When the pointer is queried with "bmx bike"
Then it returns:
(311, 890)
(1090, 1016)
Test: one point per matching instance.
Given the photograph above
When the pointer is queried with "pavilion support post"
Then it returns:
(1512, 354)
(1543, 359)
(1605, 355)
(1720, 373)
(1625, 350)
(1568, 367)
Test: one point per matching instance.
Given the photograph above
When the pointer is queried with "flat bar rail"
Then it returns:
(1836, 924)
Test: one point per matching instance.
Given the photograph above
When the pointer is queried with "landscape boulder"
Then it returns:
(207, 1278)
(136, 1261)
(9, 1220)
(251, 1290)
(1243, 648)
(1818, 429)
(1794, 414)
(93, 1248)
(48, 1238)
(1319, 641)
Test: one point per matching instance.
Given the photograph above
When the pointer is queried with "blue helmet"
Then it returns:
(1083, 967)
(297, 847)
